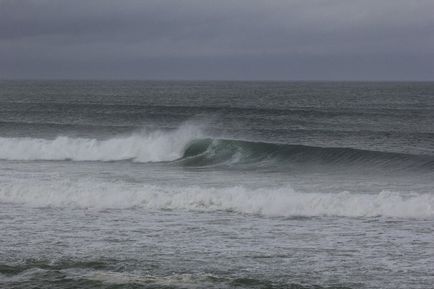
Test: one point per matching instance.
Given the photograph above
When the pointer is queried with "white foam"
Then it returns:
(140, 147)
(282, 201)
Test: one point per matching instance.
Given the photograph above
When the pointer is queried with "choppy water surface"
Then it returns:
(216, 185)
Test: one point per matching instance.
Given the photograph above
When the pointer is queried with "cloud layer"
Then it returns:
(203, 39)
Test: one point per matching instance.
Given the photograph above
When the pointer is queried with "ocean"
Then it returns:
(181, 184)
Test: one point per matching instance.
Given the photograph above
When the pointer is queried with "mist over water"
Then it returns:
(216, 184)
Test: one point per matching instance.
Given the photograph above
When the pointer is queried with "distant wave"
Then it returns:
(188, 146)
(280, 202)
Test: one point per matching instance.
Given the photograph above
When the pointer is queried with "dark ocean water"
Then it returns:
(133, 184)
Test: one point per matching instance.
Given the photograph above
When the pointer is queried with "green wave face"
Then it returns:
(236, 153)
(208, 152)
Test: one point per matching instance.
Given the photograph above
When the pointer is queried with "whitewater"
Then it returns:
(278, 202)
(143, 146)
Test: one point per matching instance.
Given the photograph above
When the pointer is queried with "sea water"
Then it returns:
(135, 184)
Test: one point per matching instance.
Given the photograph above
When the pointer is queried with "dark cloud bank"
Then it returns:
(201, 39)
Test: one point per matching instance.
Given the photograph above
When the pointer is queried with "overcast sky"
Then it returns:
(219, 39)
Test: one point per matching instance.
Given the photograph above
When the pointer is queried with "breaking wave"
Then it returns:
(154, 146)
(281, 201)
(188, 146)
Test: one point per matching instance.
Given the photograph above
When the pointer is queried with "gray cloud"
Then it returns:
(193, 39)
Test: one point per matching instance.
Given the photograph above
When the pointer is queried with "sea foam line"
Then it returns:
(283, 201)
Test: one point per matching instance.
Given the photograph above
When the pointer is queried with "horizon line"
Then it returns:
(213, 80)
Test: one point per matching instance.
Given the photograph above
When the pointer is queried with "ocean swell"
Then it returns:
(217, 152)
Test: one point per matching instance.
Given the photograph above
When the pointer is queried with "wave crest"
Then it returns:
(155, 146)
